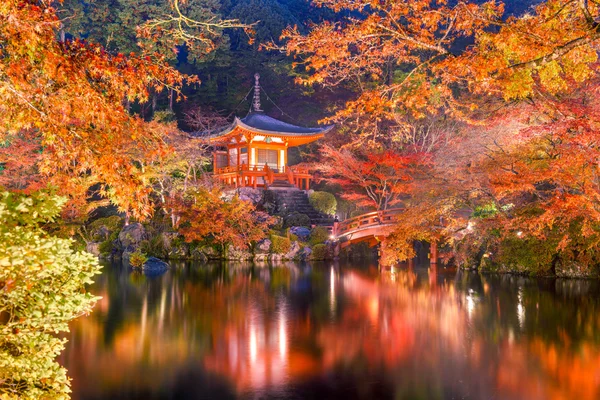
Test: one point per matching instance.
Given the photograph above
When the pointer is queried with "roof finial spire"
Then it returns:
(257, 93)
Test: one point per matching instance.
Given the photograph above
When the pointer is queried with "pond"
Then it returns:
(335, 331)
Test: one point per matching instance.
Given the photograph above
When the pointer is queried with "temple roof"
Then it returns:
(265, 123)
(257, 122)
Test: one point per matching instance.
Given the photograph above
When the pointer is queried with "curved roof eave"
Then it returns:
(239, 123)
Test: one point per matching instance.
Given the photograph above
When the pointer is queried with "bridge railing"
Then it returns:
(368, 220)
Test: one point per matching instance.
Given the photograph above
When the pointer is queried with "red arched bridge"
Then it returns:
(371, 227)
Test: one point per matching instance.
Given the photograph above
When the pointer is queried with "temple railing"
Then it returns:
(244, 175)
(368, 220)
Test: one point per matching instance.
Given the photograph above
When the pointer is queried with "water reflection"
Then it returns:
(336, 331)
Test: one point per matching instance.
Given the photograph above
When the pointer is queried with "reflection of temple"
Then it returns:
(253, 151)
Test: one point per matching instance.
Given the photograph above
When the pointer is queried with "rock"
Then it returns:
(211, 253)
(154, 266)
(261, 250)
(175, 247)
(131, 236)
(250, 194)
(198, 255)
(93, 248)
(234, 253)
(305, 253)
(302, 232)
(294, 250)
(245, 193)
(263, 246)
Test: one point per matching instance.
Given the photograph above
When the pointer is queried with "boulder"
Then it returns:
(93, 248)
(263, 246)
(261, 250)
(290, 255)
(305, 253)
(234, 253)
(302, 232)
(131, 236)
(211, 253)
(250, 194)
(245, 193)
(154, 266)
(294, 251)
(175, 247)
(198, 255)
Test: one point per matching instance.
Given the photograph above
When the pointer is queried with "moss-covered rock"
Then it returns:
(280, 244)
(319, 235)
(320, 252)
(296, 219)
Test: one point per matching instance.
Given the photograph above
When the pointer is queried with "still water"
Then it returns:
(335, 331)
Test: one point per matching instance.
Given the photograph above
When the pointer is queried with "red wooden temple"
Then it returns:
(253, 151)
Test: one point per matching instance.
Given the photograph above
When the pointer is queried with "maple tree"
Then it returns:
(64, 107)
(232, 221)
(517, 152)
(402, 58)
(69, 96)
(374, 180)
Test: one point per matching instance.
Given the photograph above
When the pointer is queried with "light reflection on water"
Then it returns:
(335, 331)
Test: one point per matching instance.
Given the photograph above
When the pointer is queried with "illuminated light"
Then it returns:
(470, 304)
(519, 234)
(253, 344)
(282, 336)
(332, 292)
(521, 309)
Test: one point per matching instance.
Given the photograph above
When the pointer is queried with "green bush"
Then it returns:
(106, 247)
(528, 254)
(137, 259)
(320, 252)
(102, 228)
(280, 244)
(486, 211)
(43, 289)
(297, 219)
(323, 202)
(319, 235)
(154, 247)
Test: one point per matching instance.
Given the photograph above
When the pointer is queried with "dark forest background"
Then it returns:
(226, 74)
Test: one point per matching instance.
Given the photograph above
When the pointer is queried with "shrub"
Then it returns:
(319, 252)
(137, 259)
(319, 235)
(324, 202)
(297, 219)
(154, 247)
(280, 244)
(106, 247)
(102, 228)
(43, 289)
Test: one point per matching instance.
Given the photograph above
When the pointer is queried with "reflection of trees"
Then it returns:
(420, 333)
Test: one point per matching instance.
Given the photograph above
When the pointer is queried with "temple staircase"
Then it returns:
(296, 200)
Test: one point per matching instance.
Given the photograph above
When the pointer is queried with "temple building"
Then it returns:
(253, 151)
